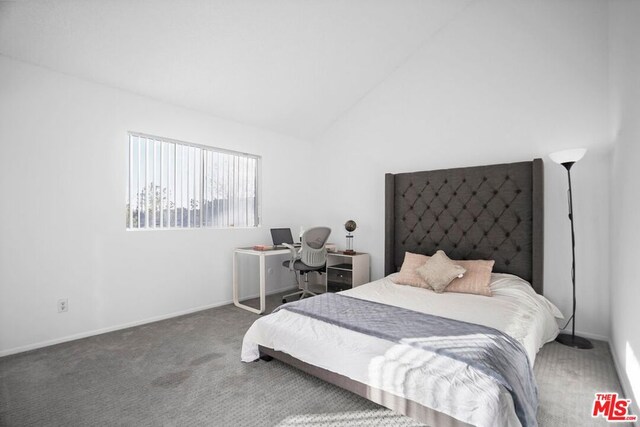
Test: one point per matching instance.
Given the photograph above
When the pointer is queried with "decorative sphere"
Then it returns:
(350, 225)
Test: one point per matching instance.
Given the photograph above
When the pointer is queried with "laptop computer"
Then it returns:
(282, 235)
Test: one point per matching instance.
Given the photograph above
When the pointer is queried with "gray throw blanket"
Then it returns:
(489, 351)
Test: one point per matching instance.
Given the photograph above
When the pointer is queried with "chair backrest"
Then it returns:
(313, 252)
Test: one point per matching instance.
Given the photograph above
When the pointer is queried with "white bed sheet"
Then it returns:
(434, 381)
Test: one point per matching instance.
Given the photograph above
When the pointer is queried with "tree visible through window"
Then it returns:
(175, 184)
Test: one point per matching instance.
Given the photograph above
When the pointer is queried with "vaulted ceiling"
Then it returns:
(291, 66)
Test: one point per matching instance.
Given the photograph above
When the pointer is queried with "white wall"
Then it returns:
(506, 81)
(62, 226)
(625, 236)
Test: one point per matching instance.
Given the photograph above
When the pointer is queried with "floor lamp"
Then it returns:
(568, 158)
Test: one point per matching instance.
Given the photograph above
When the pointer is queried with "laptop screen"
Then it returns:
(281, 235)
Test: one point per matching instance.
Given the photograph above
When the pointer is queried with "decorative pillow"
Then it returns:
(439, 271)
(408, 274)
(476, 280)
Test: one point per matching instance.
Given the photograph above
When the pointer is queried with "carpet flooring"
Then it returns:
(187, 371)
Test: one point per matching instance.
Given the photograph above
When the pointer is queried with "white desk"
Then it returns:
(263, 275)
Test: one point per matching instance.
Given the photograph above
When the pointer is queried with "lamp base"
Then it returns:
(574, 341)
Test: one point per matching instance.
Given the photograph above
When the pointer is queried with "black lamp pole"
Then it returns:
(566, 339)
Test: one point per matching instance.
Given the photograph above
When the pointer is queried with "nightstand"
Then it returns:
(346, 271)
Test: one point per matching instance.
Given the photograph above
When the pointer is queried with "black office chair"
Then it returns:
(312, 256)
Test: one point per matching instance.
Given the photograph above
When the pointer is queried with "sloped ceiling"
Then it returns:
(291, 66)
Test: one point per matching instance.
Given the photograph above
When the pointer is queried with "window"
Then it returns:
(175, 184)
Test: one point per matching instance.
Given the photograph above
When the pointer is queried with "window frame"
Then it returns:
(205, 148)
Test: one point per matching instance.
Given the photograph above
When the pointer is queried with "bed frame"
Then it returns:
(483, 212)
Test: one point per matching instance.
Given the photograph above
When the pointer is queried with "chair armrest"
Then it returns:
(295, 254)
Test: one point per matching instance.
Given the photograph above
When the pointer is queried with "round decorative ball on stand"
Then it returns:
(350, 226)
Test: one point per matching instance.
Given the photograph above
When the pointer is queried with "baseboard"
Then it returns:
(590, 335)
(625, 384)
(271, 292)
(100, 331)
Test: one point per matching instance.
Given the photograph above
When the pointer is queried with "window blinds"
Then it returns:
(174, 184)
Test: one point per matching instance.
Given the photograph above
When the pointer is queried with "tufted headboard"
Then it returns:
(484, 212)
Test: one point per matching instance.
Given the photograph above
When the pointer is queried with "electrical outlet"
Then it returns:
(270, 270)
(63, 305)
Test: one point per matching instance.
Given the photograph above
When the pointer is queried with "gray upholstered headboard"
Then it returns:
(484, 212)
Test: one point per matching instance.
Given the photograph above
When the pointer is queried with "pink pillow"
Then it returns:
(475, 281)
(408, 274)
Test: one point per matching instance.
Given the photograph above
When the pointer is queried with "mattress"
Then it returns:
(431, 380)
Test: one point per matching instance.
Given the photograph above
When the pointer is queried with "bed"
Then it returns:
(488, 212)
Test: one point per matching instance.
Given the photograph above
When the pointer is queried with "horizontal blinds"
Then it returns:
(180, 185)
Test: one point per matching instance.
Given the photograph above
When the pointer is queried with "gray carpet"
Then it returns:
(186, 371)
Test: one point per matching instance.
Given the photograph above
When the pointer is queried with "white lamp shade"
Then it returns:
(567, 156)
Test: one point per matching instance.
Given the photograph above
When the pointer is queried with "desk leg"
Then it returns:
(263, 284)
(236, 297)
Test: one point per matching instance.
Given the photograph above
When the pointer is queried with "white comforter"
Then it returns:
(434, 381)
